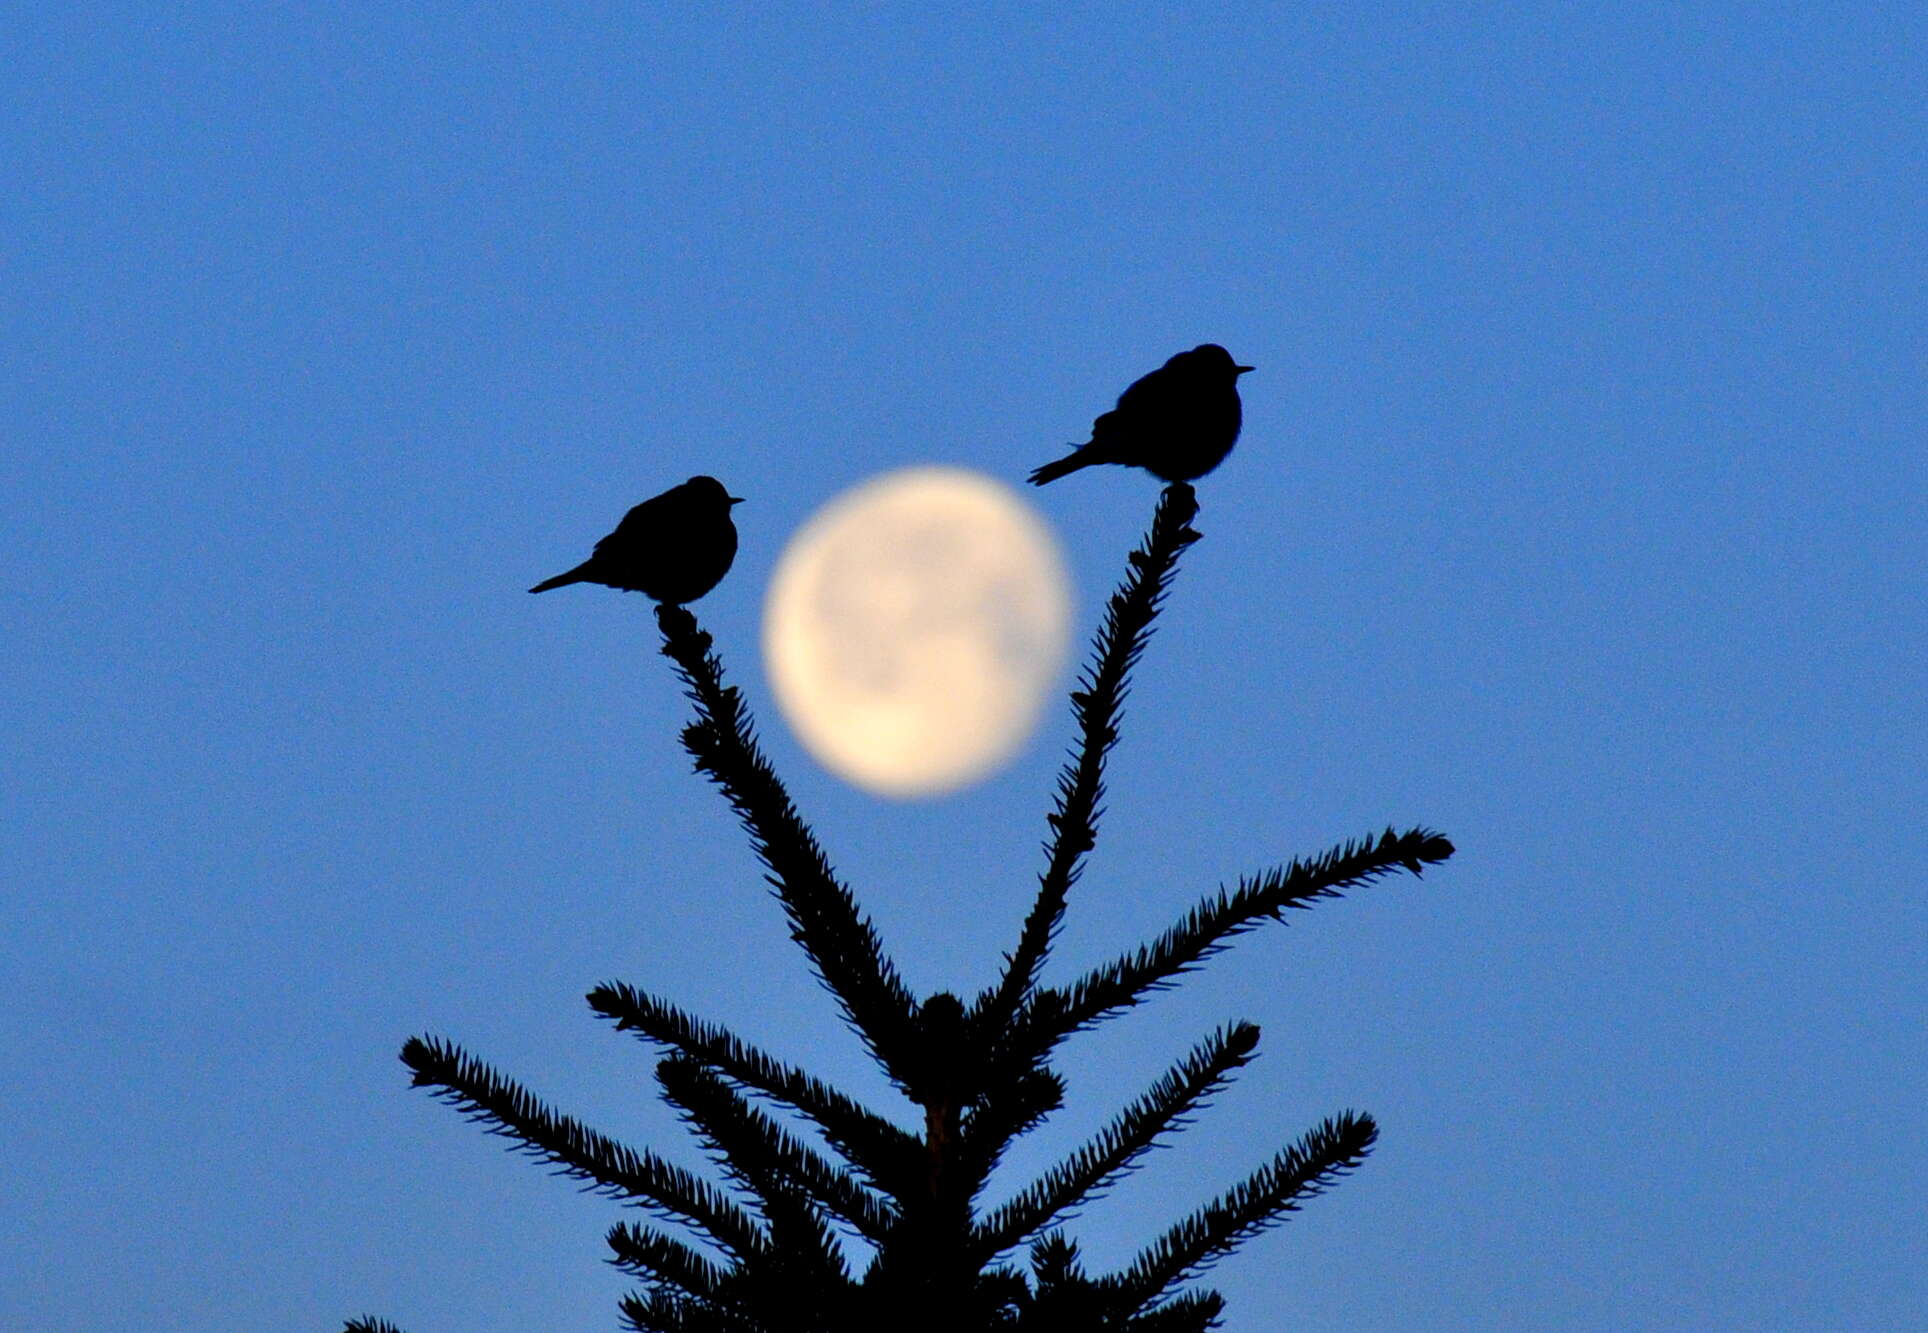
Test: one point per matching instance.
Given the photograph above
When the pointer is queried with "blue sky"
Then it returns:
(1579, 513)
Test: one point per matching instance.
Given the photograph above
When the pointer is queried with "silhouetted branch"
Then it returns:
(824, 917)
(665, 1312)
(1303, 1170)
(1003, 1292)
(1117, 1148)
(1063, 1297)
(1207, 928)
(770, 1163)
(743, 1143)
(607, 1167)
(1192, 1312)
(887, 1156)
(369, 1324)
(648, 1253)
(1101, 691)
(1008, 1109)
(1055, 1261)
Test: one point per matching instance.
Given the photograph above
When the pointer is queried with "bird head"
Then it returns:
(711, 491)
(1211, 359)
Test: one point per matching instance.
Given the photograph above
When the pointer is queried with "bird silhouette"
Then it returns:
(1177, 423)
(675, 547)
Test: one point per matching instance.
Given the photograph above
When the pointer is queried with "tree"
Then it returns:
(772, 1256)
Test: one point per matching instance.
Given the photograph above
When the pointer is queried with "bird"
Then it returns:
(1177, 423)
(675, 547)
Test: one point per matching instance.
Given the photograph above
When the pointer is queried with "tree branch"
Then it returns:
(1117, 1148)
(887, 1156)
(648, 1253)
(1192, 1312)
(1209, 926)
(1095, 704)
(666, 1312)
(1305, 1169)
(839, 940)
(773, 1165)
(607, 1167)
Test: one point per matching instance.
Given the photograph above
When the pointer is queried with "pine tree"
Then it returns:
(771, 1255)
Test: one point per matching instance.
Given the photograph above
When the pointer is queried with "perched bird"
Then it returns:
(675, 547)
(1177, 423)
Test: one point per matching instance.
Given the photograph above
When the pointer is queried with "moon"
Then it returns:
(913, 627)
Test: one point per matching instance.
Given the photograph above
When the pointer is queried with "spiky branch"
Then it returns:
(879, 1151)
(789, 1182)
(667, 1262)
(1210, 926)
(665, 1312)
(1307, 1168)
(1091, 1169)
(825, 920)
(1095, 704)
(605, 1166)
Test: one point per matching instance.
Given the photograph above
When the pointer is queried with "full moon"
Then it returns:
(912, 628)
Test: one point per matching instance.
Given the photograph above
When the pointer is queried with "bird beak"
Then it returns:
(1240, 370)
(736, 499)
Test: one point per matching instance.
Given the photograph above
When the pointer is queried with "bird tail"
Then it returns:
(1062, 467)
(576, 575)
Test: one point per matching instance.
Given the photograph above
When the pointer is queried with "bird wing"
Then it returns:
(1146, 393)
(636, 527)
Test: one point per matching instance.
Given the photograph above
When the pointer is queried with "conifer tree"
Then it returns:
(858, 1222)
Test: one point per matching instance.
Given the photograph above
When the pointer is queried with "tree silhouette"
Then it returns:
(771, 1255)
